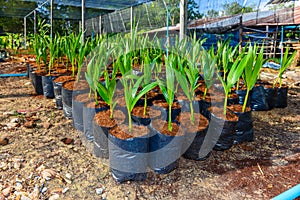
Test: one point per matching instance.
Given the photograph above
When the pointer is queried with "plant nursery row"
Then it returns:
(144, 104)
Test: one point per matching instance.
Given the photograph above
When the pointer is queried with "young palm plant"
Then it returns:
(208, 65)
(73, 43)
(254, 62)
(189, 75)
(131, 83)
(233, 76)
(168, 87)
(285, 63)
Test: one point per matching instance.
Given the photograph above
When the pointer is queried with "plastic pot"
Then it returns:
(223, 130)
(36, 81)
(270, 94)
(242, 95)
(47, 82)
(57, 87)
(258, 99)
(194, 136)
(128, 154)
(281, 97)
(165, 149)
(244, 127)
(101, 129)
(88, 118)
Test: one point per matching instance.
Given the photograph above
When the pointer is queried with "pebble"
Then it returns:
(103, 196)
(25, 198)
(68, 176)
(9, 113)
(12, 125)
(54, 197)
(99, 191)
(2, 197)
(14, 120)
(65, 190)
(44, 189)
(6, 191)
(27, 83)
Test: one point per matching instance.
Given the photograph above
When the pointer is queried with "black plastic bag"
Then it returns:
(37, 83)
(270, 97)
(281, 100)
(88, 120)
(48, 90)
(223, 131)
(100, 141)
(164, 151)
(67, 111)
(57, 87)
(242, 96)
(258, 99)
(77, 110)
(128, 158)
(244, 128)
(193, 151)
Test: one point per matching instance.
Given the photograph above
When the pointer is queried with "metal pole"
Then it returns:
(82, 19)
(34, 22)
(25, 46)
(51, 18)
(183, 19)
(131, 21)
(281, 45)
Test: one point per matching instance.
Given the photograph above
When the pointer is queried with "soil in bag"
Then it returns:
(102, 124)
(222, 127)
(244, 127)
(128, 152)
(194, 135)
(89, 111)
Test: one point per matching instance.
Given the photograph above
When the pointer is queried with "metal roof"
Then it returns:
(64, 9)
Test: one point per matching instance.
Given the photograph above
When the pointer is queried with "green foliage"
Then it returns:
(235, 8)
(131, 83)
(285, 63)
(168, 85)
(208, 65)
(254, 62)
(233, 76)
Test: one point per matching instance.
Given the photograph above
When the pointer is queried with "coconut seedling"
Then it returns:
(73, 43)
(188, 76)
(254, 62)
(233, 76)
(285, 63)
(83, 51)
(168, 86)
(208, 65)
(131, 83)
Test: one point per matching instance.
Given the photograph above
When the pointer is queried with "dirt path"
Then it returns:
(39, 163)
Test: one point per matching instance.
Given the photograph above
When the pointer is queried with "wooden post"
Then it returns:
(183, 19)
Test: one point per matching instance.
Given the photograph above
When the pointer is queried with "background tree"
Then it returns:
(193, 10)
(212, 13)
(235, 8)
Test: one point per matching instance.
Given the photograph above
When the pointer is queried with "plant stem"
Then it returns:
(237, 85)
(245, 101)
(170, 118)
(225, 104)
(111, 112)
(192, 113)
(145, 105)
(204, 95)
(129, 120)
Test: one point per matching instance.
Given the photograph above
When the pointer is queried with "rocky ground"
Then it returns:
(44, 157)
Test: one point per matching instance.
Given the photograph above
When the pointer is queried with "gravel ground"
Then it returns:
(44, 157)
